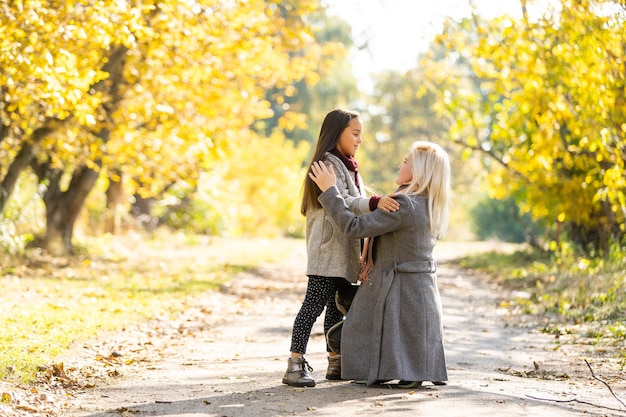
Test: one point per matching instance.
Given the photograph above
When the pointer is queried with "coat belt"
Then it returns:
(416, 267)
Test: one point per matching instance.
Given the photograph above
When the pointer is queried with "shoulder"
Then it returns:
(329, 157)
(403, 198)
(418, 199)
(339, 167)
(411, 202)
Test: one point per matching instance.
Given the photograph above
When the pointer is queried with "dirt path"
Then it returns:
(228, 358)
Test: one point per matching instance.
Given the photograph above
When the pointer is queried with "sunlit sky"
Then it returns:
(396, 31)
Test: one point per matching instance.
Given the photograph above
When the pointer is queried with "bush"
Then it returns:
(502, 220)
(256, 193)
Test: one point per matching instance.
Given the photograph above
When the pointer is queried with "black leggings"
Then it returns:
(320, 293)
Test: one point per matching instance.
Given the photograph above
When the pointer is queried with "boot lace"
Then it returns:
(305, 366)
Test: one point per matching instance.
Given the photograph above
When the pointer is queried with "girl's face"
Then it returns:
(350, 138)
(405, 172)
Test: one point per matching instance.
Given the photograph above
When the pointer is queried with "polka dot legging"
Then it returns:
(320, 293)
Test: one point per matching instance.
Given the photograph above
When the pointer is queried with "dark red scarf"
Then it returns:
(350, 163)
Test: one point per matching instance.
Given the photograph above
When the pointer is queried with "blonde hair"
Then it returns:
(431, 178)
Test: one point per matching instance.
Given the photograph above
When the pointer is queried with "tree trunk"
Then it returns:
(63, 207)
(23, 159)
(115, 204)
(142, 211)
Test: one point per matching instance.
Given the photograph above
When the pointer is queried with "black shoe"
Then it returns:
(409, 384)
(416, 384)
(377, 382)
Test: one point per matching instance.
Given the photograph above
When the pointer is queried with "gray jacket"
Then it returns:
(329, 254)
(394, 326)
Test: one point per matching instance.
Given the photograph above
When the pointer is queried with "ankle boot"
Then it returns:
(297, 374)
(334, 368)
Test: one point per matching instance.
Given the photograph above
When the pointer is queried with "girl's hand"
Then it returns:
(388, 203)
(322, 176)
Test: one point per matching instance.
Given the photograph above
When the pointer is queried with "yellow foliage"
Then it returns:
(550, 109)
(195, 76)
(264, 182)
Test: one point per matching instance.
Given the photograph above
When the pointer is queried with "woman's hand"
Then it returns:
(322, 176)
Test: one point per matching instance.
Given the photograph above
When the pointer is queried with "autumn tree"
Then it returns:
(52, 81)
(151, 91)
(44, 80)
(257, 191)
(545, 100)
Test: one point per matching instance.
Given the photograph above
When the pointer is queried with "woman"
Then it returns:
(332, 259)
(394, 330)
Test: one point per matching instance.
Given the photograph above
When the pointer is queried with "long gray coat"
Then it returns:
(329, 253)
(394, 328)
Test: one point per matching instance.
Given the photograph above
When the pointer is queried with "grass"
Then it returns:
(48, 303)
(576, 299)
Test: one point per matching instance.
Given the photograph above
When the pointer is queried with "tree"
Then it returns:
(549, 111)
(153, 91)
(45, 77)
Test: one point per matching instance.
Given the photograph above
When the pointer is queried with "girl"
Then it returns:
(332, 260)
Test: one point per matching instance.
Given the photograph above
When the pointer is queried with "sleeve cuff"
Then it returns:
(374, 202)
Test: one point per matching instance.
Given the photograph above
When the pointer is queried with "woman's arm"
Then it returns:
(322, 176)
(374, 224)
(356, 203)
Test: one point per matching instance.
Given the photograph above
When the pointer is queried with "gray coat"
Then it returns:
(330, 254)
(394, 328)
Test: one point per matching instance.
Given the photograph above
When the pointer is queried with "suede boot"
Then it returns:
(334, 368)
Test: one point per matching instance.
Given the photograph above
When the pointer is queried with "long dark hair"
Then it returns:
(333, 125)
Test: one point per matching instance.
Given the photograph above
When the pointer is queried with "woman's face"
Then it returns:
(350, 137)
(405, 172)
